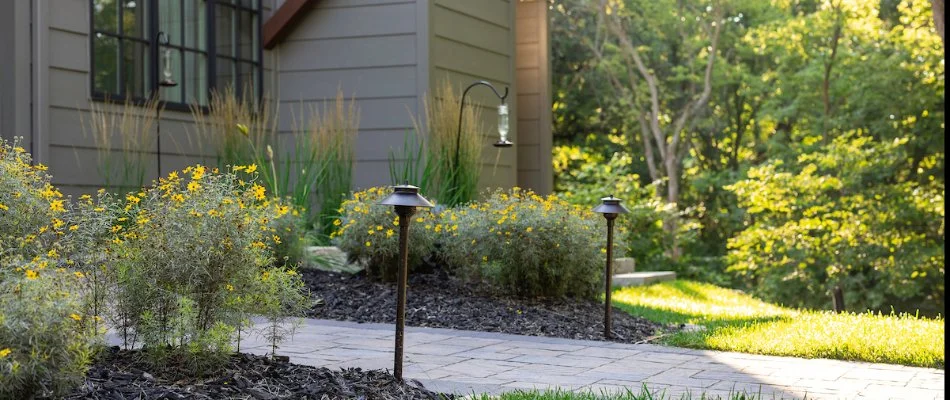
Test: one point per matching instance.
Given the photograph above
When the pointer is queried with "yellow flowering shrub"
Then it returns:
(31, 209)
(526, 244)
(189, 254)
(45, 347)
(369, 233)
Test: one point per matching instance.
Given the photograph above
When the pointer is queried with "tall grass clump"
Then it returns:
(448, 180)
(123, 135)
(313, 168)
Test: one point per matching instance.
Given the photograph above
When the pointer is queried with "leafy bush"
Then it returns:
(30, 207)
(844, 214)
(288, 248)
(190, 255)
(369, 233)
(526, 244)
(45, 347)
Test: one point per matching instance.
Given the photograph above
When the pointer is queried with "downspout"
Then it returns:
(40, 80)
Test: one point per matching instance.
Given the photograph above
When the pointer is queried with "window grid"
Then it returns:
(154, 65)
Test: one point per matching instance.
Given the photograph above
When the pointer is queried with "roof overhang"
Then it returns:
(283, 20)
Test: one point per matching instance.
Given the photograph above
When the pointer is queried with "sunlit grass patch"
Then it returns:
(737, 322)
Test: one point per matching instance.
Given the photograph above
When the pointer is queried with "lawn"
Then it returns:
(735, 321)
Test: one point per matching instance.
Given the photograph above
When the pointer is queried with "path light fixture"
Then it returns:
(405, 199)
(502, 120)
(162, 39)
(610, 206)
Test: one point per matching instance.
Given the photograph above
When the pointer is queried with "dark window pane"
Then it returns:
(225, 74)
(106, 67)
(134, 18)
(136, 68)
(245, 36)
(105, 15)
(170, 20)
(195, 21)
(195, 80)
(224, 30)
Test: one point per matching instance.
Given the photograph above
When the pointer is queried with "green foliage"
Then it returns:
(526, 245)
(369, 233)
(842, 216)
(644, 393)
(289, 226)
(28, 203)
(314, 168)
(735, 321)
(45, 346)
(281, 295)
(189, 257)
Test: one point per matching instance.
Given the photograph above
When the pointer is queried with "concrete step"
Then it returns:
(624, 265)
(642, 278)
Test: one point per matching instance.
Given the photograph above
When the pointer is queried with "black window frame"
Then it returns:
(154, 53)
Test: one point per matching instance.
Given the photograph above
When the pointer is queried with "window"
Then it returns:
(201, 45)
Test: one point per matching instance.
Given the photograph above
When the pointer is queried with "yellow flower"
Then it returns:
(420, 219)
(229, 287)
(78, 274)
(369, 244)
(4, 207)
(56, 206)
(5, 352)
(336, 222)
(276, 238)
(52, 253)
(484, 258)
(74, 316)
(379, 227)
(198, 173)
(178, 197)
(251, 168)
(74, 227)
(259, 192)
(529, 229)
(142, 220)
(133, 199)
(31, 274)
(389, 233)
(193, 186)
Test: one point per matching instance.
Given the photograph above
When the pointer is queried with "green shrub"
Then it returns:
(189, 255)
(369, 233)
(526, 244)
(45, 346)
(289, 227)
(30, 207)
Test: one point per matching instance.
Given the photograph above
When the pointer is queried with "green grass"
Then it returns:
(738, 322)
(627, 394)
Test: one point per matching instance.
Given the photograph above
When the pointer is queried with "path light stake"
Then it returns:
(405, 199)
(610, 207)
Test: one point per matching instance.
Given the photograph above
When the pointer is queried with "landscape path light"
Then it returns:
(405, 199)
(610, 206)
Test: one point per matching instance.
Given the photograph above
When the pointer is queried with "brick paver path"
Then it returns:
(465, 362)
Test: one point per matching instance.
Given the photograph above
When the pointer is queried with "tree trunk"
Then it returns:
(937, 6)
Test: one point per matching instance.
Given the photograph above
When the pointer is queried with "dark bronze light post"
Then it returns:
(611, 208)
(161, 39)
(405, 199)
(502, 122)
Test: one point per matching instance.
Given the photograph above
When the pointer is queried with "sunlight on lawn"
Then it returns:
(738, 322)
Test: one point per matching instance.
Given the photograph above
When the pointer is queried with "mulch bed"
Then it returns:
(122, 374)
(438, 300)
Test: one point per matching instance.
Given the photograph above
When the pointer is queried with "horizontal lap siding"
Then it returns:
(534, 98)
(72, 154)
(367, 49)
(474, 40)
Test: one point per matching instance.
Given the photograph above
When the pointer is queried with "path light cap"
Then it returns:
(405, 195)
(611, 205)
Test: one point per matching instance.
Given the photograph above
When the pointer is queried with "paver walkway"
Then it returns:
(465, 362)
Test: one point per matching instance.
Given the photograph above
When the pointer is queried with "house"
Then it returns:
(62, 56)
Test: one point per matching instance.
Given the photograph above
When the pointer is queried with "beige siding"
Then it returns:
(474, 40)
(534, 97)
(369, 50)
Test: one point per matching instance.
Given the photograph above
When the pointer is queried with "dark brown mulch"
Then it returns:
(441, 301)
(120, 374)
